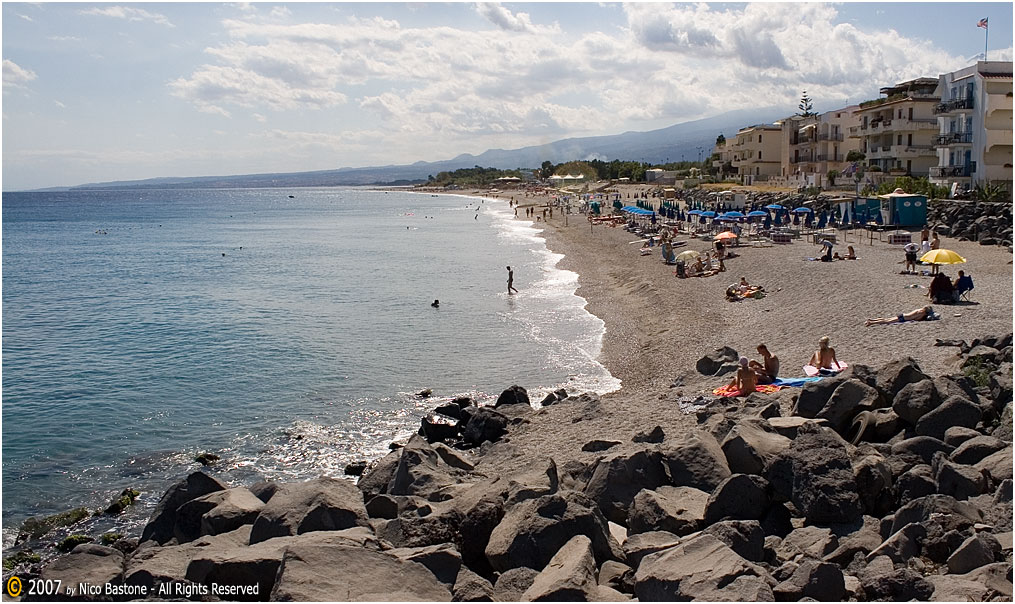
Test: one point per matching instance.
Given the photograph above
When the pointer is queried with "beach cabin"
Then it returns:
(903, 209)
(732, 200)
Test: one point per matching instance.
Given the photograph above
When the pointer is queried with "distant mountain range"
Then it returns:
(675, 143)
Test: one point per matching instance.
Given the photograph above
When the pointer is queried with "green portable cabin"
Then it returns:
(904, 209)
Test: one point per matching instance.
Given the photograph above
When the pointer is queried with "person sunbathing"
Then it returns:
(745, 382)
(824, 356)
(920, 314)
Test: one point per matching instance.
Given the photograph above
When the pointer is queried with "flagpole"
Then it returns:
(986, 31)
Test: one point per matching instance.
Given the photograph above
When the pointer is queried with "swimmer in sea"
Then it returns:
(436, 304)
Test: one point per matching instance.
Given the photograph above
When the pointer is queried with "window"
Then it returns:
(898, 140)
(759, 138)
(909, 141)
(759, 153)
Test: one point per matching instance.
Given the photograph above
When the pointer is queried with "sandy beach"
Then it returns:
(658, 326)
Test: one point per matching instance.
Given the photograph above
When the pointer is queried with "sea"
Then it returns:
(287, 331)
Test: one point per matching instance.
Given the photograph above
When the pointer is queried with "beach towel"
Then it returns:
(729, 390)
(795, 382)
(811, 370)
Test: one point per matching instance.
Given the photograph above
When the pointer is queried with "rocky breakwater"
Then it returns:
(884, 484)
(989, 223)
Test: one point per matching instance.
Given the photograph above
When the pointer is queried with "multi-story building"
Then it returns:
(974, 142)
(897, 132)
(756, 152)
(814, 145)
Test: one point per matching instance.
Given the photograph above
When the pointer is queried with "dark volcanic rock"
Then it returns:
(655, 435)
(816, 475)
(482, 424)
(739, 497)
(696, 461)
(713, 361)
(895, 375)
(916, 400)
(955, 411)
(745, 537)
(678, 510)
(323, 504)
(515, 395)
(163, 519)
(617, 478)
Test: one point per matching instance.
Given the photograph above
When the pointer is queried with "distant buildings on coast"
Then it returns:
(955, 129)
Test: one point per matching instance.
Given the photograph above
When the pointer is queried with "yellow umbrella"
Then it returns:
(726, 235)
(942, 257)
(687, 256)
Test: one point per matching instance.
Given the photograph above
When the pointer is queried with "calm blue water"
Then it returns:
(287, 335)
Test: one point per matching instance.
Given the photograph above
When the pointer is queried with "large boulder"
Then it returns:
(443, 560)
(511, 584)
(569, 576)
(895, 375)
(998, 466)
(87, 563)
(696, 461)
(920, 448)
(322, 504)
(480, 424)
(957, 480)
(417, 472)
(975, 449)
(532, 530)
(335, 572)
(952, 514)
(711, 363)
(812, 541)
(895, 585)
(745, 537)
(849, 398)
(874, 484)
(639, 545)
(814, 396)
(515, 395)
(216, 513)
(375, 480)
(815, 473)
(678, 510)
(822, 581)
(617, 478)
(470, 587)
(701, 568)
(976, 551)
(748, 447)
(151, 565)
(160, 527)
(954, 411)
(916, 482)
(916, 400)
(739, 497)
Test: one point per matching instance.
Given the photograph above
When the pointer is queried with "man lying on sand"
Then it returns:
(920, 314)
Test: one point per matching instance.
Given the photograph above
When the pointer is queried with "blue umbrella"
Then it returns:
(796, 219)
(878, 219)
(809, 219)
(775, 206)
(768, 222)
(708, 214)
(757, 213)
(803, 210)
(735, 214)
(693, 212)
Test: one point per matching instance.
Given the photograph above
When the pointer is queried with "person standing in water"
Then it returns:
(511, 281)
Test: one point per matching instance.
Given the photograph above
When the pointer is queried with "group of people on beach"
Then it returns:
(750, 373)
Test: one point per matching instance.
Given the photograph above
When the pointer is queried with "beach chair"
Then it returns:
(963, 287)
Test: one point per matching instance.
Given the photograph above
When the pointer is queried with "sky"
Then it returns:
(123, 91)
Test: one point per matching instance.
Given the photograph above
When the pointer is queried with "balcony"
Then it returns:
(915, 151)
(906, 124)
(999, 138)
(830, 157)
(830, 137)
(952, 171)
(854, 131)
(999, 102)
(953, 105)
(954, 138)
(803, 159)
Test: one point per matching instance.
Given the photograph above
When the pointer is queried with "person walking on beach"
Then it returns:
(511, 281)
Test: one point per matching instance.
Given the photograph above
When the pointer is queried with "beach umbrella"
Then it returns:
(768, 222)
(693, 212)
(878, 219)
(845, 218)
(775, 206)
(687, 256)
(796, 219)
(757, 213)
(802, 210)
(726, 235)
(708, 214)
(735, 214)
(942, 257)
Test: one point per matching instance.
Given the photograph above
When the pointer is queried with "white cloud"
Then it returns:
(525, 83)
(128, 13)
(59, 104)
(16, 76)
(25, 17)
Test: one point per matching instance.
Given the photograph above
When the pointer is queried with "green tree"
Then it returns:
(832, 175)
(855, 156)
(720, 140)
(546, 169)
(806, 106)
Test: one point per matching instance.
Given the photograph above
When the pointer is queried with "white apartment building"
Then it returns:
(813, 146)
(974, 142)
(898, 132)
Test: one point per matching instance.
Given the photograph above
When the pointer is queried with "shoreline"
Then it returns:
(658, 326)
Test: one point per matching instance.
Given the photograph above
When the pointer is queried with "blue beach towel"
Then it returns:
(795, 382)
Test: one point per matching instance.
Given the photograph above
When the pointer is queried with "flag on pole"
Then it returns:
(982, 23)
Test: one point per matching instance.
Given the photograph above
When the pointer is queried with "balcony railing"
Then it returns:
(953, 105)
(830, 157)
(831, 136)
(953, 171)
(803, 159)
(954, 138)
